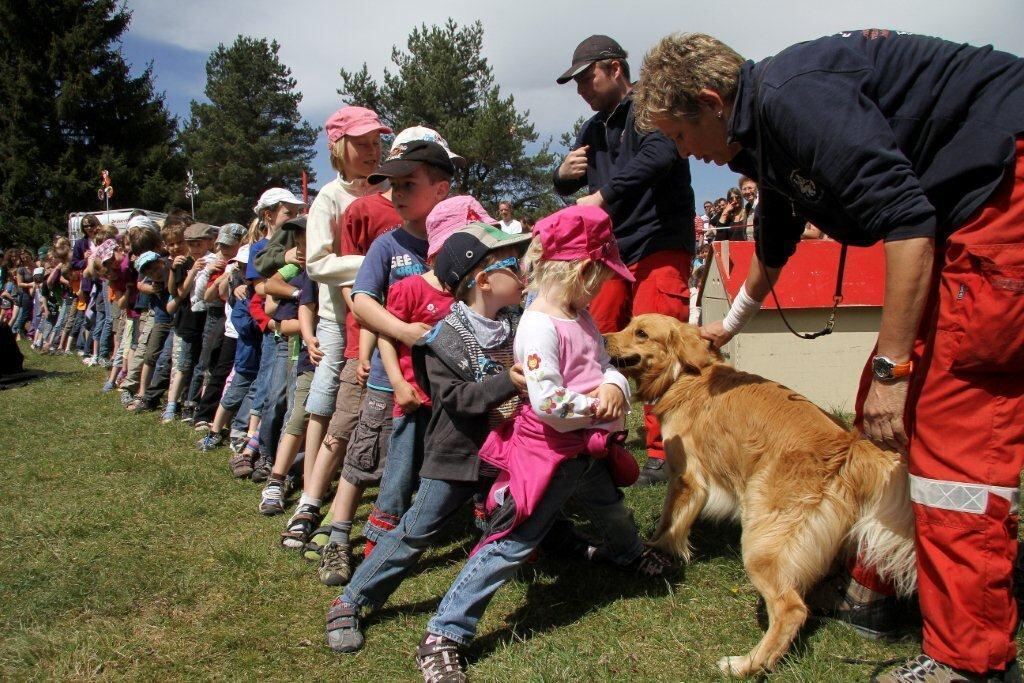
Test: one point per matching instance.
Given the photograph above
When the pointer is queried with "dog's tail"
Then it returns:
(883, 535)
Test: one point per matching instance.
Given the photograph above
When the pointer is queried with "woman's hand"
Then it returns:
(716, 334)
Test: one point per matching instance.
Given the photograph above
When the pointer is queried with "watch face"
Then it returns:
(881, 367)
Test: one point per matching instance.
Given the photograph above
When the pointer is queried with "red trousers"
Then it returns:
(661, 287)
(965, 421)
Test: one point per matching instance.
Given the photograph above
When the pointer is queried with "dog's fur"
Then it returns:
(806, 490)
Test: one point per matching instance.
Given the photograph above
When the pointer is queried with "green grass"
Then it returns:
(125, 553)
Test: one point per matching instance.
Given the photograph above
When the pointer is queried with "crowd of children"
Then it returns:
(380, 339)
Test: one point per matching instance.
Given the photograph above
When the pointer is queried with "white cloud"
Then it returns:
(529, 42)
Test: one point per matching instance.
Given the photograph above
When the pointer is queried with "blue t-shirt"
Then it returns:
(158, 306)
(393, 256)
(250, 268)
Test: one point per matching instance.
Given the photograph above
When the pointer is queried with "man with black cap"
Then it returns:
(645, 187)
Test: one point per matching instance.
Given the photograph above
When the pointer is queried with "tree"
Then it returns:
(72, 108)
(444, 82)
(249, 136)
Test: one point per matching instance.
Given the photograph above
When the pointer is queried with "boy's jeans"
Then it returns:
(275, 405)
(590, 484)
(397, 551)
(401, 471)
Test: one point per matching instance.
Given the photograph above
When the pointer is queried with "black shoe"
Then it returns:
(652, 473)
(876, 619)
(261, 469)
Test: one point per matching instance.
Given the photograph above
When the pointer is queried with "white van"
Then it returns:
(115, 217)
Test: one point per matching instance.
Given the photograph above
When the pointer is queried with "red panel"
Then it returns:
(809, 278)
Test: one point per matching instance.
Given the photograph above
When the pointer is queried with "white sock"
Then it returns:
(307, 499)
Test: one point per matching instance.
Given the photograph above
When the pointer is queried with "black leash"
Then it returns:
(837, 298)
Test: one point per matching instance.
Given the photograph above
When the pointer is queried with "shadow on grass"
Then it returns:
(21, 379)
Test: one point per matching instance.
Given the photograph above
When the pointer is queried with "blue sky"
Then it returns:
(528, 43)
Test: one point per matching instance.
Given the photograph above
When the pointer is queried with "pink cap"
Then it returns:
(353, 121)
(581, 232)
(451, 215)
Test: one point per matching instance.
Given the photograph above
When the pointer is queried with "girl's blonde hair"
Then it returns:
(255, 233)
(338, 155)
(572, 280)
(676, 70)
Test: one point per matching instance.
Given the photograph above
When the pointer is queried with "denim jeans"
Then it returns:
(160, 380)
(240, 387)
(324, 391)
(401, 471)
(587, 481)
(268, 346)
(275, 404)
(397, 551)
(105, 331)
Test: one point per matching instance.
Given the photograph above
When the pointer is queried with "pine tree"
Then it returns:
(72, 108)
(443, 81)
(250, 136)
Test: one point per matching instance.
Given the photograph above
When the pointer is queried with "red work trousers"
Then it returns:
(661, 287)
(965, 421)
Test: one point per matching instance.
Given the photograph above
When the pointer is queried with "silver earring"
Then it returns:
(719, 114)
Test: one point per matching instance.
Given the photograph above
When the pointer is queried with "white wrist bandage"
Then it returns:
(743, 308)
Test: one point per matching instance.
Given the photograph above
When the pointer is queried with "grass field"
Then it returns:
(125, 553)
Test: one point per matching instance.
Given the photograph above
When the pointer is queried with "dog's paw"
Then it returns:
(737, 667)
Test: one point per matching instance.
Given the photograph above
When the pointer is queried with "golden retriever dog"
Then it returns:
(806, 491)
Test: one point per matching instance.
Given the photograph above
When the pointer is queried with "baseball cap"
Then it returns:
(298, 223)
(430, 135)
(404, 158)
(592, 49)
(105, 250)
(243, 254)
(450, 215)
(353, 121)
(200, 231)
(581, 232)
(230, 234)
(466, 248)
(143, 222)
(276, 195)
(146, 258)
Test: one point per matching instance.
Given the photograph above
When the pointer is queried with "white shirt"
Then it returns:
(513, 227)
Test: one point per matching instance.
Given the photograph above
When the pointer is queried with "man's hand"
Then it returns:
(178, 261)
(515, 373)
(362, 372)
(216, 265)
(611, 403)
(883, 414)
(716, 334)
(296, 257)
(595, 199)
(313, 348)
(407, 398)
(412, 333)
(241, 291)
(574, 165)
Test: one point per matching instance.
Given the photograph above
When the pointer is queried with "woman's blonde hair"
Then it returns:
(676, 70)
(572, 280)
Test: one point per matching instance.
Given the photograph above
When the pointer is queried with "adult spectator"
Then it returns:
(645, 188)
(933, 166)
(505, 220)
(748, 188)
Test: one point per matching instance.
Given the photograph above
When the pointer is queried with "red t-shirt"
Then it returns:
(414, 300)
(366, 219)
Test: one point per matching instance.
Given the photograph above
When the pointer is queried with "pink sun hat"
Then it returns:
(581, 232)
(353, 121)
(450, 216)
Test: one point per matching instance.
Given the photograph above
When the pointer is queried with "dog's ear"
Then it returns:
(693, 352)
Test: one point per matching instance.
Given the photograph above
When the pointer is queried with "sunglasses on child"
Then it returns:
(512, 263)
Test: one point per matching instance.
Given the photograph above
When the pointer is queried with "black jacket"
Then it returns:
(458, 423)
(874, 135)
(642, 178)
